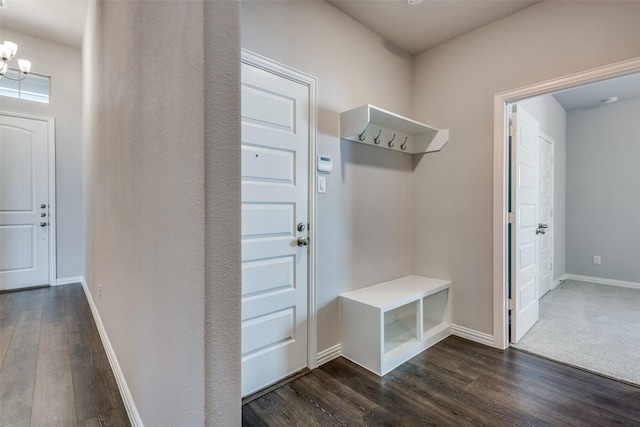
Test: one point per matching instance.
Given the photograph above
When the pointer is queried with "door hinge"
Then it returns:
(511, 130)
(551, 266)
(511, 217)
(512, 305)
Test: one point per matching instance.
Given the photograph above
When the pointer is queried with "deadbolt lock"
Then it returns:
(301, 227)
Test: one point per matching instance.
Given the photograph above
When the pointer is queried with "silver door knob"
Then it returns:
(303, 241)
(43, 224)
(42, 206)
(541, 230)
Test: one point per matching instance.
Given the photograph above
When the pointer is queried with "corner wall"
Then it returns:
(603, 178)
(63, 64)
(454, 86)
(145, 209)
(364, 220)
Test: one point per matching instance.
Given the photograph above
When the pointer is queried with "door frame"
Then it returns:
(266, 64)
(51, 161)
(501, 176)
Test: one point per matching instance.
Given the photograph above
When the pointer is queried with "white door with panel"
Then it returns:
(275, 156)
(545, 213)
(24, 202)
(525, 230)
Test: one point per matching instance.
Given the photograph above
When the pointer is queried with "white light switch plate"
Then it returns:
(322, 185)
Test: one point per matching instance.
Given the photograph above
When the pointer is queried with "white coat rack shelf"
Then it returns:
(374, 126)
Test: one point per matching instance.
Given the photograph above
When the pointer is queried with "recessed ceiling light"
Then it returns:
(414, 2)
(610, 100)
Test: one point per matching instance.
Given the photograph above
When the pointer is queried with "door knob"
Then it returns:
(541, 230)
(43, 224)
(42, 206)
(303, 241)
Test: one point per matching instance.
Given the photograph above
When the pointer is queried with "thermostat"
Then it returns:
(325, 164)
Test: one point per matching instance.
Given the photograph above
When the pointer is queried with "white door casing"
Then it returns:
(524, 238)
(501, 177)
(277, 125)
(545, 213)
(25, 226)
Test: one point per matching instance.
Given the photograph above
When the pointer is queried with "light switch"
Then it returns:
(322, 184)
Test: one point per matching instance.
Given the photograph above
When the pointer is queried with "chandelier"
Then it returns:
(7, 52)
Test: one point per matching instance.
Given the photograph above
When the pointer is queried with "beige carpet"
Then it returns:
(591, 326)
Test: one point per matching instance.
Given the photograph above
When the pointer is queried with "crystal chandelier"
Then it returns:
(7, 52)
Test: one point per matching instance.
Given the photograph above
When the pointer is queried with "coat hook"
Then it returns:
(391, 144)
(404, 144)
(376, 140)
(361, 137)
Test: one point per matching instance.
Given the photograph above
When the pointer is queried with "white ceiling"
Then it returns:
(61, 21)
(592, 95)
(415, 29)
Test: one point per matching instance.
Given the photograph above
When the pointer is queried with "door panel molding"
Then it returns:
(51, 158)
(500, 174)
(258, 61)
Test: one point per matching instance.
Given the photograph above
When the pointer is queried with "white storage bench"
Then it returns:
(384, 325)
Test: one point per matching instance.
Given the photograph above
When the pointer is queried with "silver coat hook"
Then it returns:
(361, 137)
(391, 144)
(404, 144)
(376, 140)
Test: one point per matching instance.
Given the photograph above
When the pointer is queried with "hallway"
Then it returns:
(53, 367)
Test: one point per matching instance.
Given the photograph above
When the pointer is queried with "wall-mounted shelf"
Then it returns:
(374, 126)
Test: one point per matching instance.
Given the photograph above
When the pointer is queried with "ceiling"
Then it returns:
(415, 29)
(592, 95)
(61, 21)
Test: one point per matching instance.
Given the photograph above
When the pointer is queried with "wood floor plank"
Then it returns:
(37, 377)
(456, 382)
(53, 399)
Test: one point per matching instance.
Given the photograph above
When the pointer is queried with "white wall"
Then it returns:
(552, 119)
(603, 198)
(161, 178)
(364, 219)
(63, 64)
(454, 86)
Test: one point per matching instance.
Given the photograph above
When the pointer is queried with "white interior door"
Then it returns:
(524, 234)
(545, 213)
(24, 202)
(275, 144)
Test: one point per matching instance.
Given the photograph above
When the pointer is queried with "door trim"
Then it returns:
(500, 175)
(51, 159)
(311, 82)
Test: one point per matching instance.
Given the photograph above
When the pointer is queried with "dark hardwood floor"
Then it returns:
(455, 383)
(53, 367)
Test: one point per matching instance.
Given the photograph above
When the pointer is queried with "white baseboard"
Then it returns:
(329, 354)
(472, 335)
(602, 281)
(557, 282)
(127, 398)
(68, 280)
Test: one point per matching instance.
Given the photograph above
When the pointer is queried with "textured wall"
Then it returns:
(553, 122)
(364, 219)
(454, 87)
(63, 64)
(603, 178)
(145, 210)
(222, 220)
